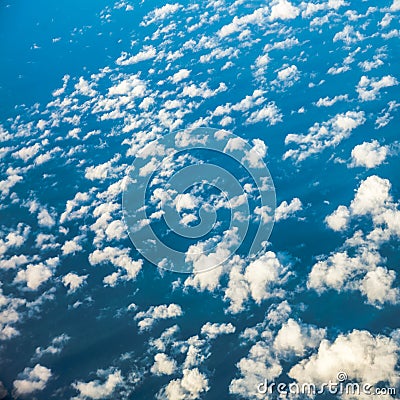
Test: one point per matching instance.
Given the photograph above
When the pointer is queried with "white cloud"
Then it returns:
(73, 281)
(214, 330)
(45, 219)
(322, 136)
(163, 365)
(259, 364)
(369, 154)
(296, 338)
(154, 313)
(348, 35)
(147, 53)
(395, 5)
(368, 89)
(180, 75)
(363, 357)
(70, 247)
(97, 390)
(269, 113)
(239, 23)
(56, 346)
(339, 219)
(377, 286)
(32, 379)
(286, 210)
(34, 275)
(119, 258)
(158, 14)
(283, 9)
(192, 385)
(328, 102)
(259, 281)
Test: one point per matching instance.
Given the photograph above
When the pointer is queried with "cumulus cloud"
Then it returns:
(322, 136)
(363, 357)
(73, 281)
(365, 270)
(286, 210)
(339, 219)
(369, 154)
(368, 89)
(258, 281)
(97, 390)
(32, 379)
(154, 313)
(34, 275)
(192, 385)
(163, 365)
(158, 14)
(214, 330)
(296, 338)
(283, 9)
(127, 268)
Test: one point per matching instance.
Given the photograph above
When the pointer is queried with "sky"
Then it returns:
(199, 200)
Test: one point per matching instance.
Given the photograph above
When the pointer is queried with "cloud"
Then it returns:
(158, 14)
(369, 154)
(70, 247)
(154, 313)
(127, 268)
(239, 23)
(214, 330)
(192, 385)
(296, 338)
(32, 379)
(96, 389)
(325, 135)
(339, 219)
(180, 75)
(56, 346)
(163, 365)
(73, 281)
(283, 9)
(368, 89)
(147, 53)
(363, 357)
(286, 210)
(34, 275)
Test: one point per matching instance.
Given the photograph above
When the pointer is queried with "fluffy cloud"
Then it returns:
(259, 364)
(34, 275)
(32, 379)
(214, 330)
(283, 9)
(369, 154)
(296, 338)
(258, 280)
(322, 136)
(154, 313)
(364, 271)
(192, 385)
(339, 219)
(368, 89)
(127, 268)
(363, 357)
(73, 281)
(163, 365)
(286, 210)
(96, 389)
